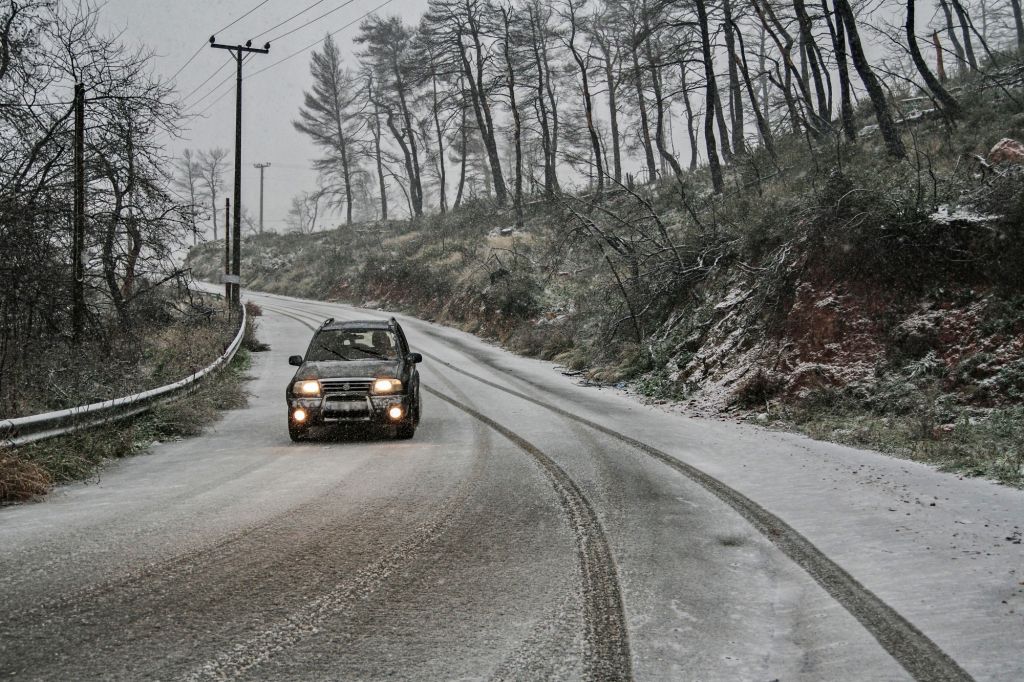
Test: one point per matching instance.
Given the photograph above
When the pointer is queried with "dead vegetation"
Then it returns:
(178, 349)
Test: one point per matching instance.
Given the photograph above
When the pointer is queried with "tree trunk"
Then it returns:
(966, 34)
(886, 125)
(442, 175)
(517, 128)
(948, 103)
(375, 128)
(1019, 23)
(824, 114)
(659, 104)
(710, 98)
(463, 151)
(645, 128)
(213, 212)
(412, 161)
(835, 29)
(588, 104)
(343, 148)
(763, 129)
(958, 49)
(723, 129)
(550, 161)
(613, 109)
(691, 133)
(549, 86)
(487, 125)
(415, 207)
(784, 42)
(735, 94)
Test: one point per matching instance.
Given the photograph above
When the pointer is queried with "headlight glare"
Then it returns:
(387, 386)
(306, 388)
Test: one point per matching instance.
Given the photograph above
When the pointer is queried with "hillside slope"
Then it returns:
(828, 289)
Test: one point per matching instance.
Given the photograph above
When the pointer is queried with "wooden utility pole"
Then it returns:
(78, 238)
(227, 250)
(236, 224)
(261, 166)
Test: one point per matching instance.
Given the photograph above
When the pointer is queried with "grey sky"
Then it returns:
(175, 29)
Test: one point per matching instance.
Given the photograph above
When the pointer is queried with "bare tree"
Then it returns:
(886, 124)
(304, 211)
(212, 165)
(949, 105)
(188, 180)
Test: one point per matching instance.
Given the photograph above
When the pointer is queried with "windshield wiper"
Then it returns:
(333, 352)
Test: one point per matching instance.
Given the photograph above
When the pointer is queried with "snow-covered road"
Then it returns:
(533, 528)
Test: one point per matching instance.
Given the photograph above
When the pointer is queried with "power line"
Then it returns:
(311, 21)
(240, 18)
(211, 104)
(200, 48)
(194, 55)
(213, 90)
(279, 25)
(282, 60)
(208, 79)
(315, 43)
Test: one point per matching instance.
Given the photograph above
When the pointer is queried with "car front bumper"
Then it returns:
(370, 409)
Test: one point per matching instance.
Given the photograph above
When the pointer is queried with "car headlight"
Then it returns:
(387, 386)
(306, 388)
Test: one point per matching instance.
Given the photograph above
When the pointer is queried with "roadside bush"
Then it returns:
(758, 390)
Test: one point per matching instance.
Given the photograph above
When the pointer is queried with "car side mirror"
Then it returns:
(415, 358)
(295, 360)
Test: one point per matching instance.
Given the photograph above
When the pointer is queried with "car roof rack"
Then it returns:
(329, 320)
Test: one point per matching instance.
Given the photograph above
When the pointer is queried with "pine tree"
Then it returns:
(328, 118)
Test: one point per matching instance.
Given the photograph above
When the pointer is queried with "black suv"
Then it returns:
(355, 373)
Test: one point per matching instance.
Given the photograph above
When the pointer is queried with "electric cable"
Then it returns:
(200, 49)
(311, 21)
(282, 23)
(315, 43)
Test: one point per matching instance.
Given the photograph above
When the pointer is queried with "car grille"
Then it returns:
(346, 386)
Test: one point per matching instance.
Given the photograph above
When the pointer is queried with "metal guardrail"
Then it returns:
(36, 427)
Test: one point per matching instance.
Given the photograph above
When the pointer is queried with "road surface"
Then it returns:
(532, 529)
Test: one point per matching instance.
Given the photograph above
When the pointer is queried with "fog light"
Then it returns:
(299, 415)
(395, 412)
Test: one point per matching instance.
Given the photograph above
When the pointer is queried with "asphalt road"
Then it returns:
(532, 529)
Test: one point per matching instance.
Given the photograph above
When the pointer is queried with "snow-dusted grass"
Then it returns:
(990, 444)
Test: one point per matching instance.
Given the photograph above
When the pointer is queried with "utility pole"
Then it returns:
(78, 240)
(236, 225)
(261, 166)
(227, 250)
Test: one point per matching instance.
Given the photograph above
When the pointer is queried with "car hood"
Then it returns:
(344, 369)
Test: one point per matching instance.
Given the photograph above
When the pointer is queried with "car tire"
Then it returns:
(296, 433)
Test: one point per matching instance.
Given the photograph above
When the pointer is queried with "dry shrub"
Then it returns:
(21, 480)
(759, 389)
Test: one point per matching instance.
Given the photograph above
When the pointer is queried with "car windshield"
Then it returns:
(353, 344)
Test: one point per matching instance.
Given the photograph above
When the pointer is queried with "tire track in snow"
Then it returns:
(606, 636)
